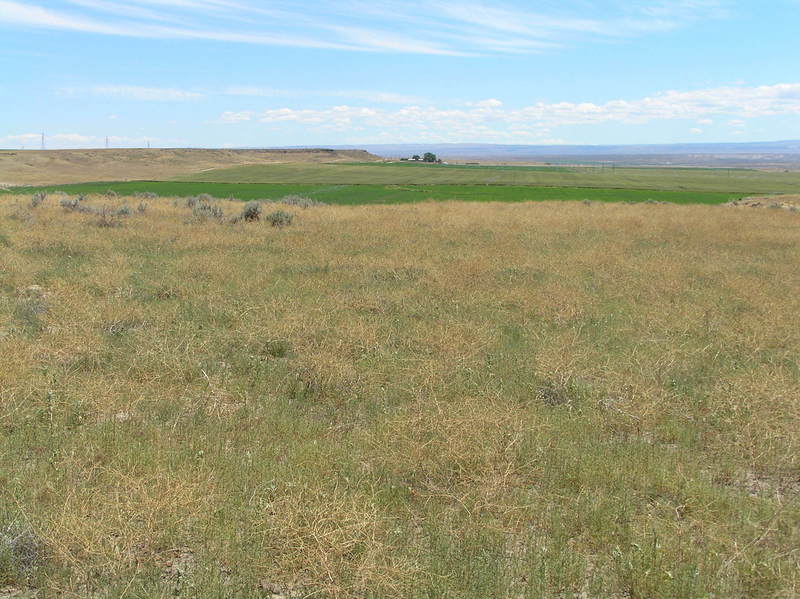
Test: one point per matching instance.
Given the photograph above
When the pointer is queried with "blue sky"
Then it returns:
(215, 73)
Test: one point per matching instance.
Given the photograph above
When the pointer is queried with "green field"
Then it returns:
(398, 183)
(392, 194)
(671, 179)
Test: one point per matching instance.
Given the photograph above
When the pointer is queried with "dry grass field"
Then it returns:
(459, 400)
(51, 167)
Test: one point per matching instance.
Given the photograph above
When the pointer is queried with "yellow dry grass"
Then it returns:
(53, 167)
(430, 400)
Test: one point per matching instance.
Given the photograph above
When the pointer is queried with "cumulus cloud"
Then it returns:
(491, 119)
(490, 103)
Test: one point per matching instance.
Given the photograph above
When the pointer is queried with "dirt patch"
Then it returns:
(758, 485)
(780, 202)
(276, 591)
(176, 563)
(17, 593)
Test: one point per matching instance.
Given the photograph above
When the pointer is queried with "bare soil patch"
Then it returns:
(784, 202)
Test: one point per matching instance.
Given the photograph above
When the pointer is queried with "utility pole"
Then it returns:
(43, 140)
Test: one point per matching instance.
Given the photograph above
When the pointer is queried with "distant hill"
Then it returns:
(759, 154)
(42, 167)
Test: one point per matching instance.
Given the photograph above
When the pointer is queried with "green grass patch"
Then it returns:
(747, 181)
(390, 193)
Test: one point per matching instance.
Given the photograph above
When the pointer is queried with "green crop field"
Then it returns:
(665, 179)
(397, 183)
(391, 194)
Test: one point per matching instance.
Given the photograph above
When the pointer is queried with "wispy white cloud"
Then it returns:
(34, 140)
(434, 27)
(146, 94)
(29, 139)
(22, 139)
(14, 13)
(356, 94)
(257, 92)
(161, 94)
(79, 140)
(236, 117)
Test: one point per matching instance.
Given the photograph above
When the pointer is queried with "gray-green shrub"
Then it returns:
(204, 210)
(279, 218)
(300, 201)
(38, 198)
(251, 211)
(69, 204)
(107, 218)
(21, 552)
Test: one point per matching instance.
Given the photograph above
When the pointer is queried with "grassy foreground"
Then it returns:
(434, 400)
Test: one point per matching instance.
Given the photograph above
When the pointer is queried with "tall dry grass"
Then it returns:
(437, 400)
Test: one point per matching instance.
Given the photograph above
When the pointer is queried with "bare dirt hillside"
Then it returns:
(46, 167)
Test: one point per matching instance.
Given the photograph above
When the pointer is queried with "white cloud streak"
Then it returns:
(161, 94)
(32, 141)
(356, 94)
(145, 94)
(434, 27)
